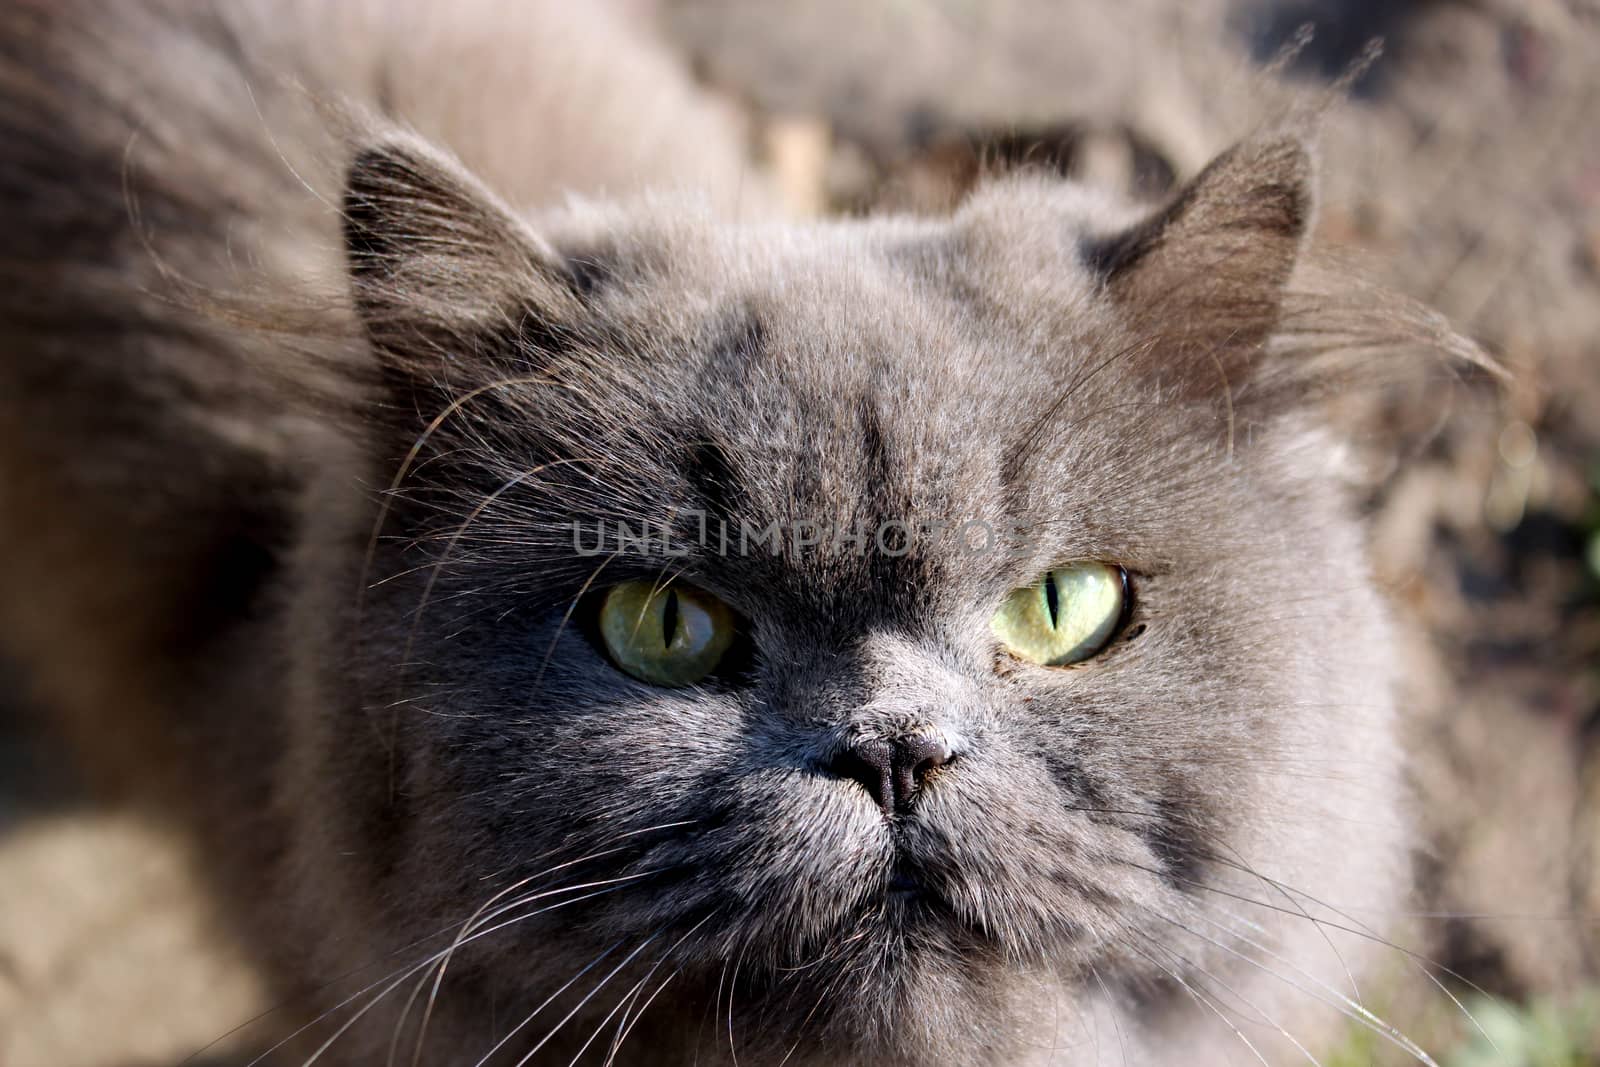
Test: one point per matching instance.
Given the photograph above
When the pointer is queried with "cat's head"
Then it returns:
(896, 629)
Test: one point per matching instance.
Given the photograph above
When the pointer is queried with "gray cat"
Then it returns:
(578, 630)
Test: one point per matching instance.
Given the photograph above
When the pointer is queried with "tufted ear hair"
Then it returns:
(1206, 274)
(444, 277)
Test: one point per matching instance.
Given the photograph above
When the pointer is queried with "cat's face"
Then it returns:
(867, 823)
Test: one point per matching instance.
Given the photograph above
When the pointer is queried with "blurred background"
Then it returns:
(1461, 166)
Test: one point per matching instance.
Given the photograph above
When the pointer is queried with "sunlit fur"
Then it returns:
(294, 436)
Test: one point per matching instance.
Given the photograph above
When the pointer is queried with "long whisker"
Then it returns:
(733, 1052)
(591, 965)
(625, 1025)
(626, 1000)
(628, 1024)
(1355, 987)
(1193, 966)
(1361, 930)
(440, 932)
(1111, 1006)
(1204, 1001)
(474, 920)
(575, 1008)
(1351, 1009)
(716, 1001)
(1420, 962)
(604, 850)
(629, 995)
(468, 929)
(397, 982)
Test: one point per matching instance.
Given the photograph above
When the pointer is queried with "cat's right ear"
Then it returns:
(451, 287)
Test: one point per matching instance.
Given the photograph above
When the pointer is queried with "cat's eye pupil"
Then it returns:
(667, 635)
(669, 618)
(1068, 615)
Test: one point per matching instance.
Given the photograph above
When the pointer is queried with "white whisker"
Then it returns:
(568, 1016)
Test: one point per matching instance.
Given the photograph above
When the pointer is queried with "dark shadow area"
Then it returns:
(36, 776)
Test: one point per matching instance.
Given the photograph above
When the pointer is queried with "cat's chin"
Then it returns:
(916, 908)
(907, 978)
(916, 993)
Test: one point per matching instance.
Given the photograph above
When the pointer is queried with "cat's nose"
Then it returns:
(891, 771)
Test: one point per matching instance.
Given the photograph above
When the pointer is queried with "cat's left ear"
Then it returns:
(1205, 276)
(446, 280)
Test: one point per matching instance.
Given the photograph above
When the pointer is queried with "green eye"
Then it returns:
(1065, 617)
(667, 635)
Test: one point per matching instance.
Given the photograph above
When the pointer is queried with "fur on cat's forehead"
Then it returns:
(795, 336)
(983, 319)
(1021, 235)
(787, 338)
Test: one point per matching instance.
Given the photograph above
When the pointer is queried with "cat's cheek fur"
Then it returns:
(1327, 861)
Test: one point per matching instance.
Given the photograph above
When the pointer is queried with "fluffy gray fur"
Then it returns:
(296, 419)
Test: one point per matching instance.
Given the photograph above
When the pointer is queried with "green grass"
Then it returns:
(1549, 1032)
(1546, 1033)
